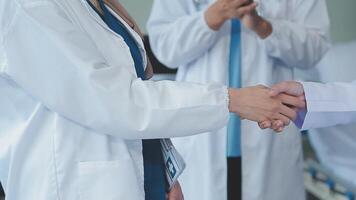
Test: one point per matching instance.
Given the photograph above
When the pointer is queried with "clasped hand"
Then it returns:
(272, 107)
(244, 10)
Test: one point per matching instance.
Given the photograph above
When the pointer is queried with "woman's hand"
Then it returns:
(175, 193)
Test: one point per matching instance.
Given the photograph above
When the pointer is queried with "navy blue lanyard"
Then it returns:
(114, 24)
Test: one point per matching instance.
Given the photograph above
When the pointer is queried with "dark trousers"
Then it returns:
(2, 194)
(234, 179)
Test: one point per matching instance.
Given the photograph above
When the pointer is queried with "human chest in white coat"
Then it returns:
(258, 66)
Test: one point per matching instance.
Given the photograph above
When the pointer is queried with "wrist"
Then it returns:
(263, 28)
(233, 103)
(214, 17)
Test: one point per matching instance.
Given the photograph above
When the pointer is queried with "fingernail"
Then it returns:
(264, 124)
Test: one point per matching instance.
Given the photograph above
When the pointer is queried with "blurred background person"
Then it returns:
(230, 42)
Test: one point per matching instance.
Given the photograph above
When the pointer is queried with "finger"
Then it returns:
(245, 10)
(288, 112)
(295, 109)
(265, 124)
(292, 100)
(176, 192)
(283, 118)
(279, 88)
(279, 130)
(289, 87)
(277, 125)
(238, 3)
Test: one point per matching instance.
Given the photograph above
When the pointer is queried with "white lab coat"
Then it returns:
(329, 104)
(180, 37)
(336, 146)
(73, 112)
(332, 103)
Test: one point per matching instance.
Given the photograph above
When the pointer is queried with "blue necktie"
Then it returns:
(234, 126)
(154, 172)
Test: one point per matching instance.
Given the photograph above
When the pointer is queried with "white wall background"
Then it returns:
(343, 20)
(342, 15)
(140, 10)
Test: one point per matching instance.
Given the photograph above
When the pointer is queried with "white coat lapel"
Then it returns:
(96, 17)
(132, 24)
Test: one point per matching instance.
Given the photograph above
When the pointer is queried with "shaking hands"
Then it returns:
(272, 107)
(291, 88)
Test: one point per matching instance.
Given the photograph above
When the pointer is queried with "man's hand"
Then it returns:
(289, 88)
(256, 23)
(257, 104)
(175, 193)
(245, 10)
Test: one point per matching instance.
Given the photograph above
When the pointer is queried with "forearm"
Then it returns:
(329, 104)
(302, 39)
(295, 44)
(263, 28)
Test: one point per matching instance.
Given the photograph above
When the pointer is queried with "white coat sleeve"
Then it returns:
(176, 36)
(328, 105)
(302, 41)
(59, 65)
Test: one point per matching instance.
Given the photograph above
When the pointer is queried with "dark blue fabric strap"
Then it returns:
(115, 25)
(154, 172)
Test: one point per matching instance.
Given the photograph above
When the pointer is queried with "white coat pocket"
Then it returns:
(109, 180)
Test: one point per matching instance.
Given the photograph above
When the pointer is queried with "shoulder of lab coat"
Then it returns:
(58, 64)
(303, 40)
(328, 105)
(181, 36)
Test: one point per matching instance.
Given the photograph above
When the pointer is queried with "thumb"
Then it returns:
(279, 88)
(289, 87)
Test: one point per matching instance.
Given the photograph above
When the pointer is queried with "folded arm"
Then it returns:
(302, 41)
